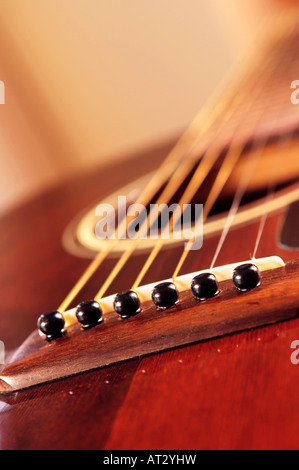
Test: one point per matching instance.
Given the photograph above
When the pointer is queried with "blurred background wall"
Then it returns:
(87, 81)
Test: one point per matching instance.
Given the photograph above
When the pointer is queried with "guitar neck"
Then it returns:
(259, 103)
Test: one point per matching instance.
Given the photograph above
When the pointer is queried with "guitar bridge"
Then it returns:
(115, 340)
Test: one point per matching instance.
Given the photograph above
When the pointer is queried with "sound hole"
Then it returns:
(223, 203)
(79, 237)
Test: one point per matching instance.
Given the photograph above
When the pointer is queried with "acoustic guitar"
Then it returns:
(145, 342)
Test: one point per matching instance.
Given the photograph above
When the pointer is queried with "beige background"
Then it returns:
(89, 80)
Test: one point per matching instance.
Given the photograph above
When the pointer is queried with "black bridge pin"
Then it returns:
(246, 276)
(51, 324)
(165, 295)
(127, 304)
(204, 286)
(89, 313)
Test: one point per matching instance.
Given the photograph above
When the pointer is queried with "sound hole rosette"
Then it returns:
(79, 237)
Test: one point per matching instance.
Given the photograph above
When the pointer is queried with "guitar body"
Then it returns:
(219, 373)
(238, 391)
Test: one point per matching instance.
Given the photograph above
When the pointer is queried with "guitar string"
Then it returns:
(205, 213)
(241, 189)
(147, 264)
(203, 169)
(270, 194)
(285, 141)
(208, 114)
(243, 184)
(230, 160)
(152, 187)
(149, 188)
(235, 206)
(230, 163)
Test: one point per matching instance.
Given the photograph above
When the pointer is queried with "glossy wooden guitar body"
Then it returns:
(186, 378)
(237, 391)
